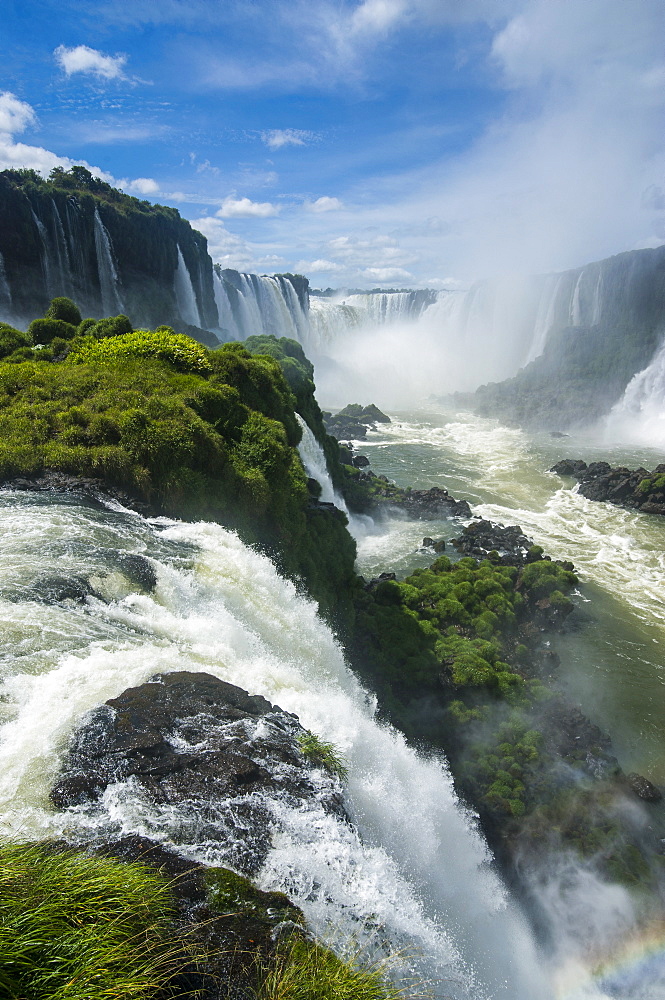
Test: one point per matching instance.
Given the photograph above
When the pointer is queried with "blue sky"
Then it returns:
(361, 142)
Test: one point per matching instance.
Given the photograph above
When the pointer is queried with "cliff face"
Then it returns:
(599, 326)
(75, 235)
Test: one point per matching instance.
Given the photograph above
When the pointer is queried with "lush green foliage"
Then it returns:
(64, 309)
(79, 928)
(185, 354)
(11, 340)
(323, 754)
(197, 433)
(448, 625)
(43, 331)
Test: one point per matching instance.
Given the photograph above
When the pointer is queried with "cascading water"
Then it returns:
(5, 291)
(420, 877)
(314, 460)
(61, 253)
(48, 266)
(640, 415)
(184, 292)
(106, 269)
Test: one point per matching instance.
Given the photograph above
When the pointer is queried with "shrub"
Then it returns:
(43, 331)
(11, 340)
(64, 309)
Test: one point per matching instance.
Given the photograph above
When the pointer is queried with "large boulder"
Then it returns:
(194, 747)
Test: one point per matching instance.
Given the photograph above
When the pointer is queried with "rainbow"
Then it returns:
(634, 971)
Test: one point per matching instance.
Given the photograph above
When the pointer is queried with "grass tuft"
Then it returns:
(323, 754)
(305, 970)
(74, 927)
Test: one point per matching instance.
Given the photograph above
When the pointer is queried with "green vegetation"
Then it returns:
(323, 754)
(79, 928)
(305, 970)
(185, 354)
(193, 432)
(452, 626)
(653, 485)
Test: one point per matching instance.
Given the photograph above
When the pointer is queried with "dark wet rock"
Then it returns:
(638, 489)
(208, 749)
(644, 788)
(53, 589)
(558, 434)
(569, 467)
(138, 569)
(94, 492)
(354, 420)
(360, 461)
(504, 544)
(381, 578)
(432, 543)
(433, 503)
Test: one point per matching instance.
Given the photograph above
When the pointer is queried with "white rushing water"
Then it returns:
(639, 416)
(422, 873)
(184, 293)
(106, 269)
(314, 460)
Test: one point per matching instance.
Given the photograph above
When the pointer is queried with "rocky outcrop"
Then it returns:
(638, 489)
(193, 743)
(354, 421)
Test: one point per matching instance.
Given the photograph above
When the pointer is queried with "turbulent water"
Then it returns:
(421, 878)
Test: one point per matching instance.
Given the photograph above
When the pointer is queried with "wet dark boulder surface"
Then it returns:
(638, 489)
(194, 758)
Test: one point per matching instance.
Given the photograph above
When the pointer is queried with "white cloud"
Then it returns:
(15, 115)
(243, 208)
(278, 137)
(141, 185)
(384, 274)
(83, 59)
(319, 266)
(230, 250)
(324, 204)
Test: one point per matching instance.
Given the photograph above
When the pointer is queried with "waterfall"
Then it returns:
(5, 291)
(106, 269)
(61, 253)
(48, 268)
(639, 417)
(412, 868)
(184, 292)
(314, 460)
